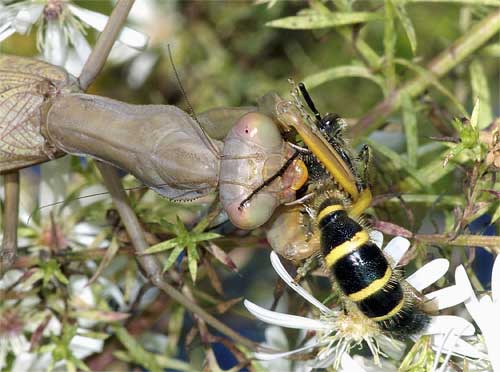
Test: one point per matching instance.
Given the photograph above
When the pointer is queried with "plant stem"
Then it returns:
(439, 66)
(492, 242)
(100, 53)
(8, 249)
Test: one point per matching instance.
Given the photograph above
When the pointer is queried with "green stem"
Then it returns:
(439, 66)
(492, 242)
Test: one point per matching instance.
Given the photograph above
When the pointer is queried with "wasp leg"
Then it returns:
(270, 180)
(11, 215)
(365, 195)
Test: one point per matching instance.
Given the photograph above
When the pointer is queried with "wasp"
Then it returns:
(340, 192)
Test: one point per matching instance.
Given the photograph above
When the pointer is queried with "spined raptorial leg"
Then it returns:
(11, 215)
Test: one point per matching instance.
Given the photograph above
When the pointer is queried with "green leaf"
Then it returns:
(138, 354)
(407, 25)
(316, 20)
(206, 236)
(399, 163)
(492, 50)
(474, 118)
(343, 5)
(343, 72)
(173, 257)
(432, 80)
(163, 246)
(410, 128)
(390, 37)
(496, 214)
(192, 260)
(473, 2)
(481, 92)
(108, 257)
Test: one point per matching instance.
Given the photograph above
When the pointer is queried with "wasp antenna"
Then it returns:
(309, 101)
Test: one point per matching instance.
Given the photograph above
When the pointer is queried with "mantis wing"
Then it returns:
(25, 84)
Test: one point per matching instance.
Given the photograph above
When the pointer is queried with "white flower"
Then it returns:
(57, 224)
(60, 24)
(337, 333)
(485, 311)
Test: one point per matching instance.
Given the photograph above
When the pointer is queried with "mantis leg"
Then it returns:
(11, 215)
(149, 264)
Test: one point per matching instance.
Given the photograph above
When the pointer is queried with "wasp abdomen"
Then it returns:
(363, 274)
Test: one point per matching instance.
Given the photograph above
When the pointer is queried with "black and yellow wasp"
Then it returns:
(341, 194)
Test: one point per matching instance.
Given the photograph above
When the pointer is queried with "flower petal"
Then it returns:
(55, 49)
(96, 20)
(281, 271)
(396, 249)
(81, 44)
(495, 281)
(273, 356)
(377, 237)
(8, 31)
(456, 346)
(284, 320)
(348, 364)
(442, 324)
(27, 16)
(447, 297)
(428, 274)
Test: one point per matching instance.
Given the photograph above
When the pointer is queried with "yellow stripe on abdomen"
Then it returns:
(360, 238)
(373, 287)
(391, 313)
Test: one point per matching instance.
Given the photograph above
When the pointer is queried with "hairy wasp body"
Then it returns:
(364, 275)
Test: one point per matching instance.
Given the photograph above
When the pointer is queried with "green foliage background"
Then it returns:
(229, 53)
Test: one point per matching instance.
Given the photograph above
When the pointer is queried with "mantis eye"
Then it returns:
(259, 130)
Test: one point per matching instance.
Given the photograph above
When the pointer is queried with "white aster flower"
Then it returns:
(338, 333)
(61, 24)
(485, 311)
(58, 225)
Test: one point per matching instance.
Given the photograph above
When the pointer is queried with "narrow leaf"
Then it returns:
(106, 260)
(192, 260)
(225, 306)
(474, 118)
(206, 236)
(473, 2)
(136, 351)
(314, 21)
(481, 91)
(214, 278)
(407, 25)
(343, 72)
(221, 256)
(100, 316)
(410, 128)
(496, 215)
(173, 257)
(390, 38)
(432, 80)
(163, 246)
